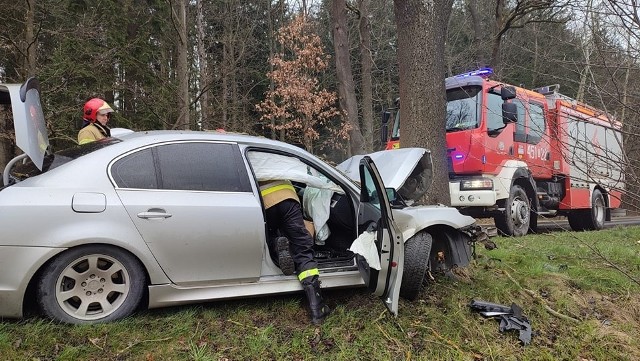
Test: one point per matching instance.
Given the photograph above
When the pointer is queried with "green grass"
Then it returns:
(579, 290)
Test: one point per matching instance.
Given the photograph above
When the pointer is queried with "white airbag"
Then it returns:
(365, 246)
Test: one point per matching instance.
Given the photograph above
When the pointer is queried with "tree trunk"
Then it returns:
(536, 51)
(30, 40)
(499, 30)
(421, 39)
(234, 89)
(366, 64)
(182, 66)
(272, 51)
(477, 51)
(346, 87)
(204, 73)
(5, 139)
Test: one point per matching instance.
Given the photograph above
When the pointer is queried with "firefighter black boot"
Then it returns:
(285, 262)
(318, 310)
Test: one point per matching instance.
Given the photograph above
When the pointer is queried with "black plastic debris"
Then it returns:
(510, 317)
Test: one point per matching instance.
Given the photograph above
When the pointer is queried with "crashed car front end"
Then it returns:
(450, 236)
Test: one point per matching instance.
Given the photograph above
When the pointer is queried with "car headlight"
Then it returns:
(476, 184)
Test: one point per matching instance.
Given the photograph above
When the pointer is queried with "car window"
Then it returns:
(537, 125)
(494, 112)
(369, 189)
(136, 171)
(521, 129)
(192, 166)
(202, 167)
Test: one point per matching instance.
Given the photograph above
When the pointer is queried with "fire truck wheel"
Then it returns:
(576, 221)
(596, 215)
(589, 219)
(533, 221)
(592, 219)
(417, 251)
(517, 214)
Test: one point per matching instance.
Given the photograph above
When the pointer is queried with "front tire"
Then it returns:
(417, 251)
(91, 284)
(516, 219)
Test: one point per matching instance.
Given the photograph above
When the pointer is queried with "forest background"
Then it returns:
(313, 73)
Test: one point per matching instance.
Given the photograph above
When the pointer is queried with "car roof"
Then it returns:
(159, 136)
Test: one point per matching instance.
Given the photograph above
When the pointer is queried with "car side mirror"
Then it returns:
(384, 130)
(509, 113)
(394, 198)
(385, 117)
(507, 92)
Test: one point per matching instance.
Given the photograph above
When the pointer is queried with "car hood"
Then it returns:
(408, 170)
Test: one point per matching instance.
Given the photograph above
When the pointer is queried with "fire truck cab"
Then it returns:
(515, 154)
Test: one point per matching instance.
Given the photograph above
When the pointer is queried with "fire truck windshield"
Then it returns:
(463, 108)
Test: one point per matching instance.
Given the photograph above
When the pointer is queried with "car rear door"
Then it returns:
(193, 204)
(374, 216)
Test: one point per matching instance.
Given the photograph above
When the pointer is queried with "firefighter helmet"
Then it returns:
(95, 106)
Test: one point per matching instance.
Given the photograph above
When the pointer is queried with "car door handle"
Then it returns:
(154, 213)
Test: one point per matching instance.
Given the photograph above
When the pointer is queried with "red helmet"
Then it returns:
(95, 106)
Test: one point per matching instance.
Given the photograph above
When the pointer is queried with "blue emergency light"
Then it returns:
(482, 72)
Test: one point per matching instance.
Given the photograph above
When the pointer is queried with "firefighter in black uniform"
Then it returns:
(295, 249)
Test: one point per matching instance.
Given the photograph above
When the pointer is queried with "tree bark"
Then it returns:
(476, 49)
(225, 86)
(5, 138)
(30, 39)
(272, 51)
(366, 65)
(499, 30)
(421, 39)
(182, 65)
(204, 71)
(346, 87)
(233, 72)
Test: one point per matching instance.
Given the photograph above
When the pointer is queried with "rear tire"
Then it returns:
(533, 222)
(576, 220)
(597, 214)
(590, 219)
(417, 251)
(91, 284)
(516, 218)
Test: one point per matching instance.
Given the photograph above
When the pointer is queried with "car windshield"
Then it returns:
(463, 108)
(352, 181)
(51, 161)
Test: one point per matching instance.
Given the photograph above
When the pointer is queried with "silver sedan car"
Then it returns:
(176, 217)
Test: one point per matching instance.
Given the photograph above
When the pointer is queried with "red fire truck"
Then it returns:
(515, 154)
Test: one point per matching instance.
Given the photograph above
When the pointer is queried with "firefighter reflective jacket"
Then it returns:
(274, 192)
(93, 132)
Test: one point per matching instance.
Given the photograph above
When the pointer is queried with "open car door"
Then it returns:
(375, 218)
